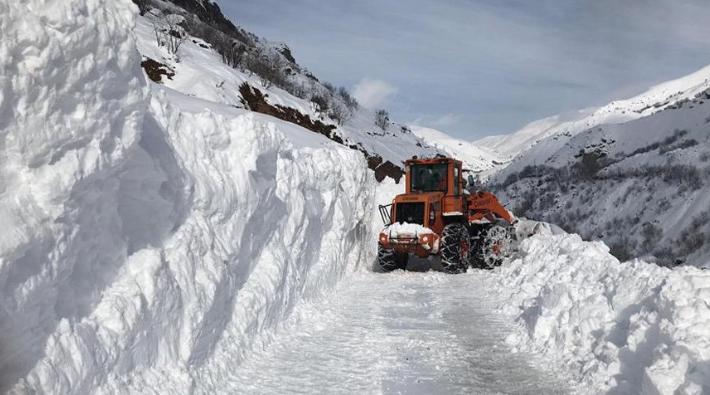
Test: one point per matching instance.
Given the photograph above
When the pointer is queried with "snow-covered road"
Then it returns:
(397, 333)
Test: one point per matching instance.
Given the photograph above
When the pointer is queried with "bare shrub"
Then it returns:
(682, 145)
(269, 68)
(340, 113)
(322, 101)
(546, 201)
(382, 119)
(169, 33)
(588, 165)
(525, 206)
(663, 206)
(297, 89)
(329, 87)
(621, 251)
(691, 242)
(682, 175)
(348, 99)
(233, 53)
(664, 145)
(651, 235)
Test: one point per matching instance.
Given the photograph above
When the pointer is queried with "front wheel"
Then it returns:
(455, 248)
(389, 260)
(491, 246)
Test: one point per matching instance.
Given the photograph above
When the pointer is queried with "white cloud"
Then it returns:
(447, 120)
(372, 93)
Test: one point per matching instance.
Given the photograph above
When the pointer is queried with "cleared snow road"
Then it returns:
(397, 333)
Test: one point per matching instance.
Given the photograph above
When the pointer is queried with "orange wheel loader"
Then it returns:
(439, 216)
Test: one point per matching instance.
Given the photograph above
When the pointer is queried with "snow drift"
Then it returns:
(150, 239)
(619, 328)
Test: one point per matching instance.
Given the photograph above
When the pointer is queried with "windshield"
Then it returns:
(429, 178)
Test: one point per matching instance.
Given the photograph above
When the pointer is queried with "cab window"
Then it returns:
(429, 178)
(457, 185)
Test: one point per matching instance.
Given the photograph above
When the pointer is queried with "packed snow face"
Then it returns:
(620, 328)
(150, 239)
(71, 106)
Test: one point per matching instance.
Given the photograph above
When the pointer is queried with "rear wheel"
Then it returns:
(389, 260)
(455, 248)
(491, 246)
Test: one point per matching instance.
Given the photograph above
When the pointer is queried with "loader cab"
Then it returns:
(434, 195)
(438, 175)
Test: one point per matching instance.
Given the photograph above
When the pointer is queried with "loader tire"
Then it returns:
(491, 246)
(389, 260)
(455, 248)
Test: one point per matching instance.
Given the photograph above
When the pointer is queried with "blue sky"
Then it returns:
(474, 68)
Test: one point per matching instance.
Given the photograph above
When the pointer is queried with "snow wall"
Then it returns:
(149, 240)
(619, 328)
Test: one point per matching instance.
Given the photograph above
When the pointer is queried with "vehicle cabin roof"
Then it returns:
(430, 161)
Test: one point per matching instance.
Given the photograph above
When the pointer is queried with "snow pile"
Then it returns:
(405, 229)
(618, 327)
(149, 241)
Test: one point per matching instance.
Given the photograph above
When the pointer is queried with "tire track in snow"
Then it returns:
(397, 333)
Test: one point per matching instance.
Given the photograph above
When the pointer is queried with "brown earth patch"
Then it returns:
(157, 70)
(254, 100)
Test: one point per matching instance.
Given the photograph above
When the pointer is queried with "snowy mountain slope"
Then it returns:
(150, 238)
(641, 186)
(618, 328)
(474, 157)
(562, 128)
(201, 72)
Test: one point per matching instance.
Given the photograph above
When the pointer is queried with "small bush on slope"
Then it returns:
(382, 119)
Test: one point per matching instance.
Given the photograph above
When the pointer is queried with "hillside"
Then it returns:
(556, 130)
(476, 158)
(225, 64)
(633, 174)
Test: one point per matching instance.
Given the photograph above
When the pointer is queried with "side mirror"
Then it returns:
(471, 181)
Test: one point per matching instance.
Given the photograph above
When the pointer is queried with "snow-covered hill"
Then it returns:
(475, 158)
(198, 70)
(640, 183)
(561, 128)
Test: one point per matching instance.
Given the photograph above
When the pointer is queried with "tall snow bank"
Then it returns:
(150, 241)
(619, 327)
(72, 98)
